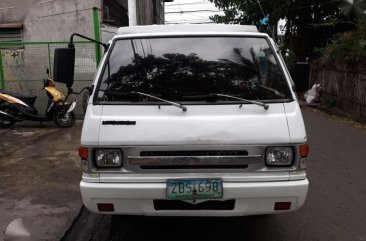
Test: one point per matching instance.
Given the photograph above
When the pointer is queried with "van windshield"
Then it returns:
(191, 69)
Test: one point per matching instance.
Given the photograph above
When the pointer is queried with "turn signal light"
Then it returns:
(105, 207)
(304, 150)
(83, 153)
(282, 205)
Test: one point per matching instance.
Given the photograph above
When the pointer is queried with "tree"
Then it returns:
(309, 23)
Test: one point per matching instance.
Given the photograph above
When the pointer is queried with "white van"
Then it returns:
(193, 120)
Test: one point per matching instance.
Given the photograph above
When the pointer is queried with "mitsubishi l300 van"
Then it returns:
(193, 120)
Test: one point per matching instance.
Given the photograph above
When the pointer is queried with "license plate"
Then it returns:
(192, 189)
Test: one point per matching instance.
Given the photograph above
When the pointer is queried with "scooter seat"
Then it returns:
(28, 99)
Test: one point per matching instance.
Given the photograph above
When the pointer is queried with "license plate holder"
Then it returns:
(193, 189)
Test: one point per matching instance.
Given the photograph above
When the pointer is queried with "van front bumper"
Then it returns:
(251, 198)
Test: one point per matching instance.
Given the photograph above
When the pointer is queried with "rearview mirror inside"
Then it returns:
(64, 65)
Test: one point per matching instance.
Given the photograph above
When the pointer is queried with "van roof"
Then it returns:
(187, 28)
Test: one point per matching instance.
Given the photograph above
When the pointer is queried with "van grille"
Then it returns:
(194, 153)
(201, 159)
(182, 167)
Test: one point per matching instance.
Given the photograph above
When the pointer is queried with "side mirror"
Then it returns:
(64, 66)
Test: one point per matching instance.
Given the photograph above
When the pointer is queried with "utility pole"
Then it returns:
(132, 18)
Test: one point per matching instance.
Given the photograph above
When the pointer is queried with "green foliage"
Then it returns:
(299, 14)
(348, 46)
(309, 23)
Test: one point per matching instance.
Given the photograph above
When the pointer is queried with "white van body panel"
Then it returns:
(200, 125)
(210, 127)
(90, 131)
(250, 198)
(200, 28)
(295, 122)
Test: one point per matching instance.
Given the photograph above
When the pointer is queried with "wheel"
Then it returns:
(5, 122)
(63, 119)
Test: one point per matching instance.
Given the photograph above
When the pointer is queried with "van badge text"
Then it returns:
(127, 123)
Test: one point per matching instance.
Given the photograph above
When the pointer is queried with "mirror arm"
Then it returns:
(70, 91)
(89, 88)
(71, 43)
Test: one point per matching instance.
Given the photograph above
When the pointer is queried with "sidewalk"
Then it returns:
(39, 178)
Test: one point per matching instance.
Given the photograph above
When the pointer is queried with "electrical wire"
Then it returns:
(200, 15)
(191, 3)
(195, 11)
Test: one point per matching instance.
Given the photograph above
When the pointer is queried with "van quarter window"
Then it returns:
(192, 69)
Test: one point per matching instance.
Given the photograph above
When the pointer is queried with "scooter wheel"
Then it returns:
(63, 119)
(5, 122)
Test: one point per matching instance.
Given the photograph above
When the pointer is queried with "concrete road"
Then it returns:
(335, 208)
(39, 178)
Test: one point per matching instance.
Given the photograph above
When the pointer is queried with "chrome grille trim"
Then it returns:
(195, 153)
(193, 160)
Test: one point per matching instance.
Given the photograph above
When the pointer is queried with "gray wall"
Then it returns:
(45, 21)
(51, 20)
(57, 20)
(14, 10)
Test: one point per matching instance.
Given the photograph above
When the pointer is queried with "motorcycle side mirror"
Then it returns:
(64, 66)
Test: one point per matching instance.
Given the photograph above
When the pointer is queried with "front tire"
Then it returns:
(5, 122)
(63, 119)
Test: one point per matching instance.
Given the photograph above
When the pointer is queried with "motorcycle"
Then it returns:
(17, 107)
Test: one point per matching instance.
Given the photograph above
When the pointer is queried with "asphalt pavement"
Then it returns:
(335, 208)
(39, 180)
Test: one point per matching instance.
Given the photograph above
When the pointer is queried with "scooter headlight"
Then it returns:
(108, 157)
(279, 156)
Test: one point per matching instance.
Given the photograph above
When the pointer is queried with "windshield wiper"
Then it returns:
(265, 106)
(157, 98)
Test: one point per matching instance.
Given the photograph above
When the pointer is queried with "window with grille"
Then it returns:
(11, 32)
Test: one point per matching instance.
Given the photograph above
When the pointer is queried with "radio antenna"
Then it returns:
(264, 15)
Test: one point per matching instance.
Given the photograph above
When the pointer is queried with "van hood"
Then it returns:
(131, 125)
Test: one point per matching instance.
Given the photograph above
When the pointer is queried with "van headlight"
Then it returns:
(108, 157)
(279, 156)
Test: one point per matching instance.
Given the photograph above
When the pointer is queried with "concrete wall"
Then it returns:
(57, 20)
(44, 21)
(51, 20)
(14, 10)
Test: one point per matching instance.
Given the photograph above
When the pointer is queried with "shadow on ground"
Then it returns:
(194, 228)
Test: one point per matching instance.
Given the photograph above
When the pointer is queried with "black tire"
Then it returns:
(63, 119)
(5, 122)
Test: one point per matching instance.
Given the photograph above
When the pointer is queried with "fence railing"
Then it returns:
(345, 83)
(24, 64)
